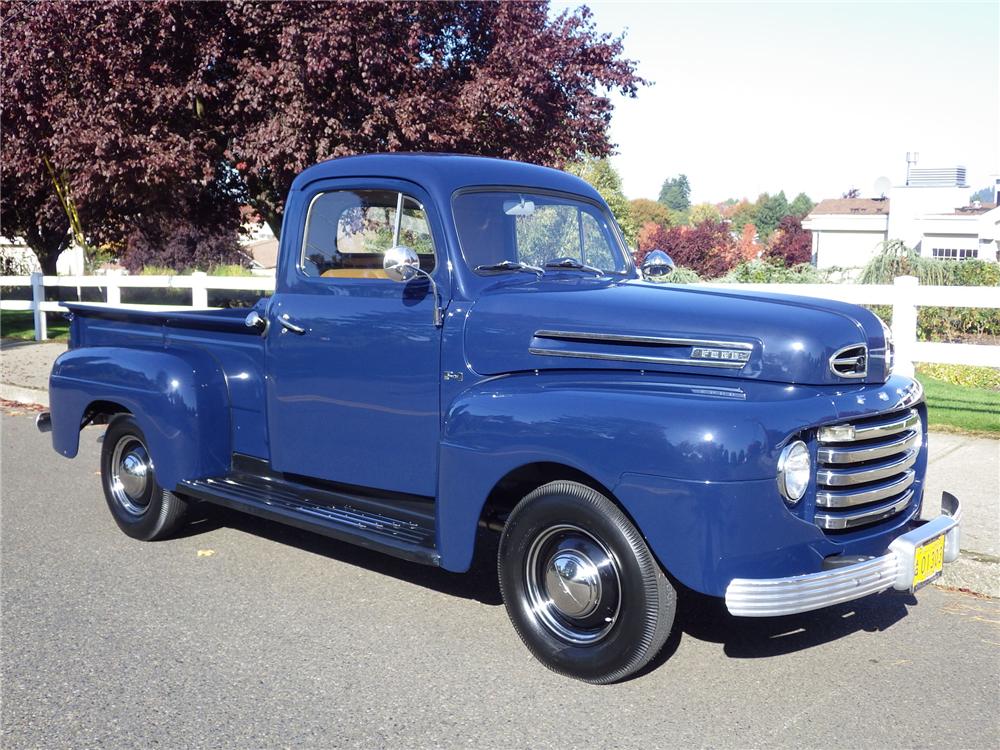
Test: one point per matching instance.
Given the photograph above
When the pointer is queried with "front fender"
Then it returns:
(179, 399)
(606, 425)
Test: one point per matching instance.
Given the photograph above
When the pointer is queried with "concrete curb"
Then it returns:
(23, 395)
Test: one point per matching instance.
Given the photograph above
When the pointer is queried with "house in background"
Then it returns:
(847, 232)
(258, 242)
(930, 213)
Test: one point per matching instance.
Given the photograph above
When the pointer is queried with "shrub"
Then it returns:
(791, 243)
(708, 248)
(987, 378)
(896, 259)
(773, 272)
(157, 271)
(937, 323)
(229, 269)
(682, 275)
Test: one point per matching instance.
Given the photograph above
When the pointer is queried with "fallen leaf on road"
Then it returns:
(206, 552)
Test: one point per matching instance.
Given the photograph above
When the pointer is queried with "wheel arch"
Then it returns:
(179, 399)
(517, 483)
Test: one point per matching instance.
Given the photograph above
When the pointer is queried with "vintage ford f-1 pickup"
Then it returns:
(458, 344)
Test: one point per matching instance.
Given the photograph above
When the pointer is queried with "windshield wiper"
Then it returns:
(509, 265)
(572, 263)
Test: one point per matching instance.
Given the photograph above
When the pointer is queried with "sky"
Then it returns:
(811, 97)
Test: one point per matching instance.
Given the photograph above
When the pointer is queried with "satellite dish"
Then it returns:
(882, 186)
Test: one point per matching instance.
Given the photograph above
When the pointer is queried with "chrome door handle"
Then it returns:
(290, 326)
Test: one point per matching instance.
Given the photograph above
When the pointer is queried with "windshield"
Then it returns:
(502, 230)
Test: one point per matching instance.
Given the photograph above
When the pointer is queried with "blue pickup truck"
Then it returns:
(459, 347)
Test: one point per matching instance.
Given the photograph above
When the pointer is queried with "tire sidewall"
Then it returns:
(625, 647)
(147, 525)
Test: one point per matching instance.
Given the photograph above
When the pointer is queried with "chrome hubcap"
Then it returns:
(573, 584)
(131, 474)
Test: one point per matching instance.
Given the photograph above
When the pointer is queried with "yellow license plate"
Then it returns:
(928, 562)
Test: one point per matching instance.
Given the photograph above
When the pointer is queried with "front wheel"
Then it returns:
(580, 585)
(139, 505)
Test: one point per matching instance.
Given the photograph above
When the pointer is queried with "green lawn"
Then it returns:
(960, 408)
(15, 324)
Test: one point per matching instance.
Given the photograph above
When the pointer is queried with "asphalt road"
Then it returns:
(247, 634)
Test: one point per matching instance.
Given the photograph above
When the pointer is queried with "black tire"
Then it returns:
(568, 532)
(139, 505)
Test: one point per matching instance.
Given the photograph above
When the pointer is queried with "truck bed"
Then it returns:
(221, 333)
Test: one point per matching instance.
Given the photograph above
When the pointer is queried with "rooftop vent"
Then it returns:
(943, 177)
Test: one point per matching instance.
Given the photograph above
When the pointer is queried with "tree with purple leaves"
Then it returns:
(791, 243)
(166, 116)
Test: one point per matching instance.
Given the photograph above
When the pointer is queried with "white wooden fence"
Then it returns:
(905, 296)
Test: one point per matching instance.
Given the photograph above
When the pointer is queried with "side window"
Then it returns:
(347, 231)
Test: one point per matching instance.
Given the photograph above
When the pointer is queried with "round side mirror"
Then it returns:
(657, 265)
(400, 263)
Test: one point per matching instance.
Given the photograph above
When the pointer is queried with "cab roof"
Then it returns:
(443, 174)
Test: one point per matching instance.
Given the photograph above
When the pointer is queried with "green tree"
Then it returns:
(605, 180)
(703, 212)
(770, 210)
(645, 211)
(676, 193)
(801, 206)
(741, 214)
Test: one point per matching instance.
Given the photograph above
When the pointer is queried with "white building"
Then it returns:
(931, 213)
(847, 232)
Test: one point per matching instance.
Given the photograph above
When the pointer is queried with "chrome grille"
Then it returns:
(865, 470)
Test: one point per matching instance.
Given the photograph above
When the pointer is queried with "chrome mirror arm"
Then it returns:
(402, 264)
(438, 312)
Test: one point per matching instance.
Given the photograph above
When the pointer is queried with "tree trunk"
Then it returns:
(47, 246)
(47, 259)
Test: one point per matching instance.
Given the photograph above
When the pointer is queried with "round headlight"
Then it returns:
(793, 471)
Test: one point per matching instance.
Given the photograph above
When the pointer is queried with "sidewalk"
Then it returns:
(968, 467)
(24, 369)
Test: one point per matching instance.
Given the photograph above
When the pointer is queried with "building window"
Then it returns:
(954, 253)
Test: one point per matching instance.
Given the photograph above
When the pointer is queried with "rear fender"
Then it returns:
(179, 399)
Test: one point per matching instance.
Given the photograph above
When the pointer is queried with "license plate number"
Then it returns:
(928, 562)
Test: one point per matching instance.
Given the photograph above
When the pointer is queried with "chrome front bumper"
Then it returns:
(767, 597)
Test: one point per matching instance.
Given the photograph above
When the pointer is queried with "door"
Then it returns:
(354, 357)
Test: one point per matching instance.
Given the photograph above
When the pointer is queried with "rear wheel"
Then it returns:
(139, 505)
(580, 585)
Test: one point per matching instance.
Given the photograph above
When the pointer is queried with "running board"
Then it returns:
(341, 516)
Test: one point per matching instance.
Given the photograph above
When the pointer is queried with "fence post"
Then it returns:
(114, 291)
(37, 298)
(199, 290)
(904, 322)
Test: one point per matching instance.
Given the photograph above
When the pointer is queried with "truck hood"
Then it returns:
(578, 322)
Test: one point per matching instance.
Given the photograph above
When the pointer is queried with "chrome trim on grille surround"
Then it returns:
(769, 597)
(864, 516)
(848, 499)
(868, 431)
(849, 477)
(866, 475)
(827, 455)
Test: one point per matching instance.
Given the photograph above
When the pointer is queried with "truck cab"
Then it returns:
(459, 346)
